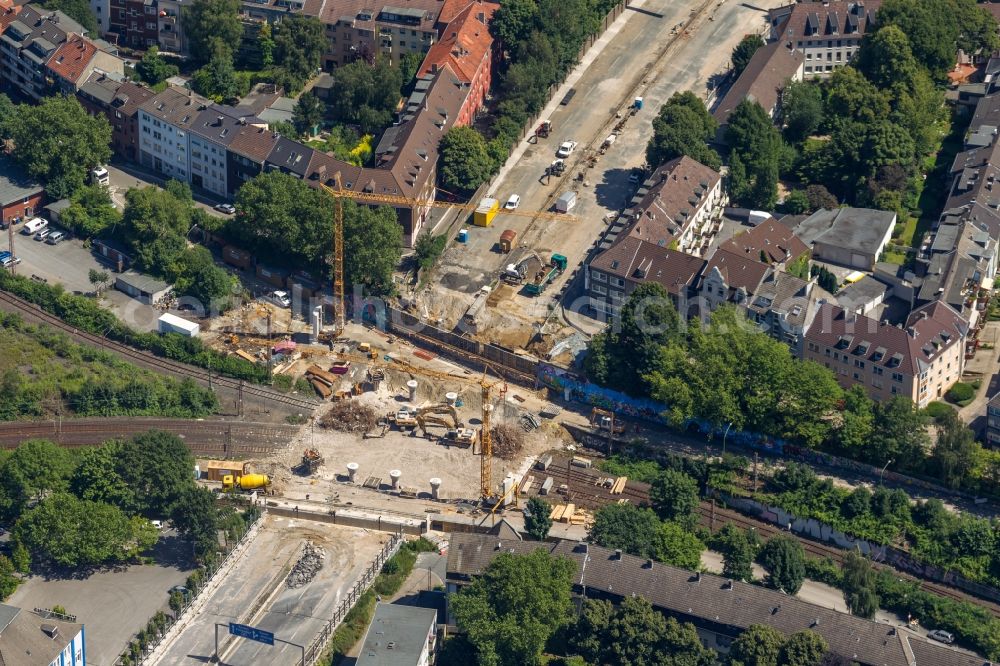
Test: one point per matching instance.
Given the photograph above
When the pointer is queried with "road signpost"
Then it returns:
(253, 634)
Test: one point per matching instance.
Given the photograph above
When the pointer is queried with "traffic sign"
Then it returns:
(253, 633)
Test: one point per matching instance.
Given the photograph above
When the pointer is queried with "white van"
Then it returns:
(100, 176)
(33, 225)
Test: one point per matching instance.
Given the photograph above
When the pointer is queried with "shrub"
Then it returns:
(961, 392)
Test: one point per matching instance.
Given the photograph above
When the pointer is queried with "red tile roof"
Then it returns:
(738, 270)
(772, 238)
(8, 12)
(72, 57)
(464, 44)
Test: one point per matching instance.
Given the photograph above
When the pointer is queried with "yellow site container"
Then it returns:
(487, 210)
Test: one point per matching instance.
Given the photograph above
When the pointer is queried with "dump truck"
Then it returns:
(544, 129)
(487, 210)
(546, 275)
(246, 482)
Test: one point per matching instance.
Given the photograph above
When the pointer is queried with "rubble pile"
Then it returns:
(349, 416)
(507, 441)
(307, 567)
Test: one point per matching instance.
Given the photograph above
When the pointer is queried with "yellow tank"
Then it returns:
(246, 482)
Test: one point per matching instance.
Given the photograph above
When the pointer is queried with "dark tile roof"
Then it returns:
(782, 292)
(712, 600)
(254, 142)
(669, 199)
(770, 68)
(642, 261)
(930, 330)
(772, 238)
(838, 18)
(290, 156)
(217, 126)
(177, 106)
(14, 183)
(738, 270)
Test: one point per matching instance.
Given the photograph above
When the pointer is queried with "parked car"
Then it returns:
(56, 237)
(279, 298)
(33, 225)
(566, 148)
(7, 260)
(635, 176)
(941, 636)
(227, 208)
(43, 234)
(513, 202)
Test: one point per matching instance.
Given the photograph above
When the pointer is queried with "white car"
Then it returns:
(227, 208)
(513, 202)
(280, 298)
(566, 148)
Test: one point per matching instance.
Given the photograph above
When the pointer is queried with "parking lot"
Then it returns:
(112, 604)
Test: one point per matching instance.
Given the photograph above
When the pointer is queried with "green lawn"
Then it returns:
(906, 235)
(935, 188)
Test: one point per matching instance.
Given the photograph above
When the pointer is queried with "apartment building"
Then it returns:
(210, 136)
(170, 27)
(993, 421)
(164, 124)
(119, 101)
(358, 29)
(765, 76)
(75, 60)
(41, 637)
(134, 23)
(29, 39)
(920, 360)
(828, 34)
(466, 46)
(247, 153)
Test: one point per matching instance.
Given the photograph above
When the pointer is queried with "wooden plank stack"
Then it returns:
(619, 485)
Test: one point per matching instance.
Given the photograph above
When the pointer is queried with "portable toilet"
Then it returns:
(638, 103)
(463, 235)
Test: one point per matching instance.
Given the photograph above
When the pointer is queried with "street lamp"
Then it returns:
(890, 461)
(724, 436)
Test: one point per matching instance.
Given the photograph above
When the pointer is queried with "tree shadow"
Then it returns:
(614, 191)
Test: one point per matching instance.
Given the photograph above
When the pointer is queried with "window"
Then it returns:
(894, 390)
(858, 363)
(600, 277)
(877, 370)
(897, 377)
(857, 376)
(617, 281)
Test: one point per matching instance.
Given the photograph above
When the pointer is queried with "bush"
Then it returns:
(961, 393)
(938, 410)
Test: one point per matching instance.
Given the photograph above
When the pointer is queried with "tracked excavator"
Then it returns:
(446, 416)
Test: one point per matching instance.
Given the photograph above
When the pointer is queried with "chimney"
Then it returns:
(618, 553)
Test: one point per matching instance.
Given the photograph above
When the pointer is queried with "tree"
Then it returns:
(7, 112)
(801, 110)
(931, 27)
(511, 610)
(759, 645)
(743, 52)
(803, 648)
(308, 113)
(820, 197)
(428, 248)
(91, 211)
(365, 94)
(8, 577)
(464, 162)
(675, 496)
(299, 45)
(758, 153)
(194, 514)
(78, 10)
(68, 532)
(154, 224)
(858, 503)
(372, 242)
(738, 553)
(900, 435)
(36, 468)
(537, 521)
(682, 127)
(153, 68)
(955, 450)
(97, 478)
(217, 78)
(513, 21)
(58, 142)
(157, 466)
(860, 586)
(784, 560)
(205, 21)
(627, 527)
(678, 546)
(796, 203)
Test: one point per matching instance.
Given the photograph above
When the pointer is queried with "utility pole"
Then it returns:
(10, 236)
(239, 401)
(755, 456)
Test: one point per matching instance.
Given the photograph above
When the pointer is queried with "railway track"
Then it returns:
(12, 303)
(585, 491)
(221, 438)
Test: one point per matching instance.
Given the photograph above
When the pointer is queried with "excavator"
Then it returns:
(446, 416)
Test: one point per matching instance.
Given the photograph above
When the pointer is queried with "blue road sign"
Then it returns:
(253, 633)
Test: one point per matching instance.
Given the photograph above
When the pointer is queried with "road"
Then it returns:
(608, 81)
(294, 615)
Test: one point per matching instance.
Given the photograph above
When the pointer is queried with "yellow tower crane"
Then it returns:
(338, 194)
(485, 438)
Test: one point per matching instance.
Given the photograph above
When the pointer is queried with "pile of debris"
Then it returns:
(349, 416)
(307, 567)
(507, 441)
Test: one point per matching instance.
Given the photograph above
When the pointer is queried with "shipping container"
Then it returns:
(276, 276)
(215, 470)
(168, 323)
(234, 256)
(487, 210)
(566, 202)
(507, 239)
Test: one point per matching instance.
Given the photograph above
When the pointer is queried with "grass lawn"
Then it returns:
(906, 236)
(935, 188)
(898, 258)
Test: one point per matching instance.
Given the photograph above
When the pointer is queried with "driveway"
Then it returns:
(983, 366)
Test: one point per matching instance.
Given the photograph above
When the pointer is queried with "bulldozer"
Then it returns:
(436, 414)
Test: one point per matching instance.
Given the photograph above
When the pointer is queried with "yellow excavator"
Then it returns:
(446, 416)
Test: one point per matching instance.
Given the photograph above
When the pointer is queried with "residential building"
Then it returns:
(119, 101)
(164, 123)
(289, 157)
(134, 23)
(769, 242)
(920, 360)
(76, 59)
(20, 197)
(678, 206)
(828, 34)
(38, 638)
(864, 296)
(170, 26)
(400, 636)
(850, 237)
(719, 608)
(762, 81)
(993, 421)
(956, 266)
(614, 274)
(210, 136)
(784, 307)
(30, 37)
(247, 153)
(102, 12)
(358, 29)
(730, 277)
(466, 46)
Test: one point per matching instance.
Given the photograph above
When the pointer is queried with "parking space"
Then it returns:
(113, 604)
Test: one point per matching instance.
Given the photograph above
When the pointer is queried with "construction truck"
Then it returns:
(404, 419)
(246, 482)
(463, 437)
(434, 414)
(546, 274)
(602, 419)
